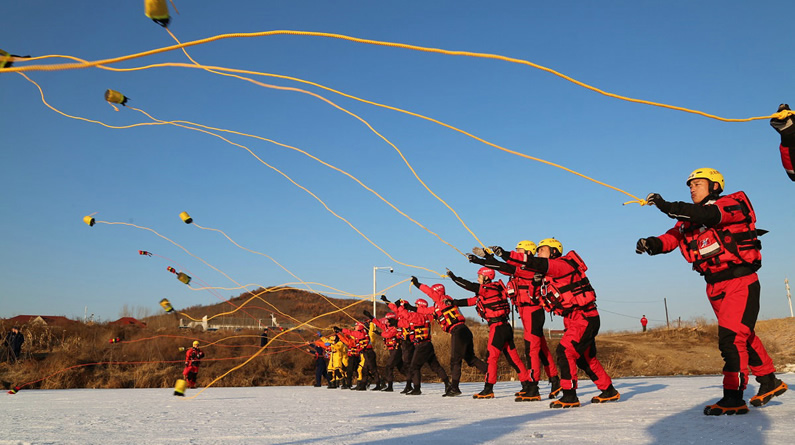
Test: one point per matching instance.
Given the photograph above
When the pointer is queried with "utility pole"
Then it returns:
(668, 324)
(789, 296)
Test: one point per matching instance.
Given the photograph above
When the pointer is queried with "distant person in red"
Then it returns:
(192, 362)
(786, 128)
(717, 234)
(644, 322)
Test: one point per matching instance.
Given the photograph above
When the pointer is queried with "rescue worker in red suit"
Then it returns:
(717, 234)
(452, 321)
(491, 301)
(404, 334)
(643, 322)
(522, 291)
(566, 291)
(353, 354)
(362, 338)
(391, 335)
(192, 362)
(420, 329)
(786, 128)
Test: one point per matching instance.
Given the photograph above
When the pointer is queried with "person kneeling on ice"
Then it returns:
(718, 235)
(192, 361)
(491, 301)
(566, 291)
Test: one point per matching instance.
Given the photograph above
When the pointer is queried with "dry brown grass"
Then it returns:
(80, 356)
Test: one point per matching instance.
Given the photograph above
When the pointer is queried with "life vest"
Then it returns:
(716, 252)
(561, 294)
(448, 317)
(364, 343)
(420, 328)
(392, 342)
(522, 292)
(492, 304)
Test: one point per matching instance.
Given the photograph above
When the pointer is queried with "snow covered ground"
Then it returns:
(651, 411)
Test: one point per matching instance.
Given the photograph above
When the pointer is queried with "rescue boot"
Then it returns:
(487, 393)
(415, 392)
(555, 382)
(332, 384)
(569, 400)
(407, 389)
(378, 386)
(529, 392)
(388, 388)
(446, 386)
(608, 395)
(361, 386)
(453, 391)
(731, 403)
(769, 387)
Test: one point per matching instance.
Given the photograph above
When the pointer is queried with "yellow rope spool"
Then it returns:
(157, 10)
(88, 219)
(5, 59)
(115, 97)
(179, 388)
(166, 305)
(185, 218)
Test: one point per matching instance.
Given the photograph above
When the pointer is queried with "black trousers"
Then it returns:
(424, 353)
(462, 347)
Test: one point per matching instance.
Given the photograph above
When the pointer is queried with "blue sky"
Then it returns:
(726, 58)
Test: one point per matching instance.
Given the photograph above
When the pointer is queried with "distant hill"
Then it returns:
(77, 355)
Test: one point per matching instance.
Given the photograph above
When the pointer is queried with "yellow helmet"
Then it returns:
(528, 246)
(710, 174)
(553, 243)
(195, 343)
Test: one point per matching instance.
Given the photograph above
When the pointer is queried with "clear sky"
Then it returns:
(729, 58)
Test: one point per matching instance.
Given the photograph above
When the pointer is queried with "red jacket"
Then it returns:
(727, 250)
(390, 334)
(565, 284)
(447, 315)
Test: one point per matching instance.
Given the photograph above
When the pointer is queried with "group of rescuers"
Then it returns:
(715, 233)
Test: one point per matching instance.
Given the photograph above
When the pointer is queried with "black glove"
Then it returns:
(538, 277)
(368, 314)
(784, 127)
(384, 299)
(336, 329)
(651, 245)
(497, 251)
(415, 281)
(476, 260)
(655, 199)
(450, 274)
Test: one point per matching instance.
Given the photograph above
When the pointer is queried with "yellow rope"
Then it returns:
(294, 183)
(266, 345)
(359, 118)
(67, 66)
(255, 156)
(272, 259)
(215, 69)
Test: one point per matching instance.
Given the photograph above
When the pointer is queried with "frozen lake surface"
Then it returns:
(656, 410)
